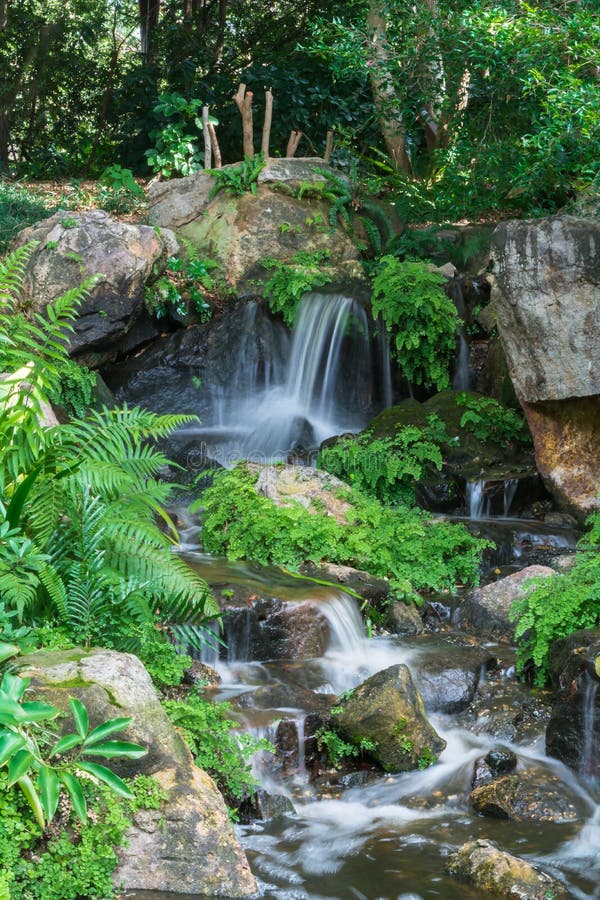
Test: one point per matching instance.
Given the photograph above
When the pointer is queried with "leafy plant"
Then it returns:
(184, 283)
(224, 753)
(421, 319)
(292, 278)
(75, 389)
(386, 468)
(489, 420)
(338, 749)
(558, 605)
(240, 178)
(176, 150)
(20, 206)
(118, 191)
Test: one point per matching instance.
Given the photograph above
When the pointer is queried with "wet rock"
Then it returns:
(186, 846)
(311, 488)
(547, 296)
(573, 733)
(369, 587)
(506, 710)
(404, 618)
(200, 673)
(388, 711)
(74, 246)
(261, 628)
(532, 795)
(448, 681)
(497, 762)
(486, 609)
(482, 864)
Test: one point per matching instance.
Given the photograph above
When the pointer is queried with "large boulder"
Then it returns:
(73, 246)
(573, 732)
(532, 795)
(482, 864)
(486, 610)
(387, 710)
(241, 232)
(547, 297)
(317, 491)
(188, 846)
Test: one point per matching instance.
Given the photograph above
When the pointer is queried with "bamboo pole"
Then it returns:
(266, 132)
(328, 145)
(206, 133)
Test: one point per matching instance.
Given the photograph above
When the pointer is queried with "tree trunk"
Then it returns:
(149, 12)
(382, 87)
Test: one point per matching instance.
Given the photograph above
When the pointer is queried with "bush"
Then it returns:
(489, 420)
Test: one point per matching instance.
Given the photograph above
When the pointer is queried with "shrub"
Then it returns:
(293, 278)
(489, 420)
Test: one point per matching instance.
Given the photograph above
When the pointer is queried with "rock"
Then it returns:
(533, 795)
(241, 232)
(303, 485)
(76, 245)
(573, 732)
(497, 762)
(404, 618)
(486, 609)
(178, 201)
(200, 674)
(369, 587)
(188, 846)
(482, 864)
(447, 681)
(387, 709)
(547, 297)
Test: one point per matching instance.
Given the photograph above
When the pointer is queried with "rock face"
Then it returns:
(241, 232)
(533, 795)
(448, 681)
(387, 709)
(486, 609)
(188, 846)
(74, 246)
(547, 298)
(573, 733)
(303, 485)
(483, 865)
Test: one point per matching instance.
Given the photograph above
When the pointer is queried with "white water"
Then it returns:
(478, 505)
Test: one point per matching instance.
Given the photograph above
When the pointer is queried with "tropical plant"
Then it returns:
(489, 420)
(184, 283)
(419, 316)
(292, 278)
(240, 178)
(176, 150)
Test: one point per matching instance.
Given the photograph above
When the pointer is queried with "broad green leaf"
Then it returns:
(66, 743)
(102, 731)
(49, 791)
(75, 792)
(80, 714)
(14, 686)
(109, 778)
(116, 748)
(10, 711)
(26, 785)
(35, 711)
(19, 765)
(9, 744)
(7, 651)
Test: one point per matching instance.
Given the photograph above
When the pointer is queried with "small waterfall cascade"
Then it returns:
(587, 764)
(462, 378)
(476, 501)
(478, 497)
(510, 489)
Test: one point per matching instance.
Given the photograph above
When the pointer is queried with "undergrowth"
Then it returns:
(292, 278)
(413, 551)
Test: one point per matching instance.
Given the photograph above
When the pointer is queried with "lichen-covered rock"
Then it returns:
(547, 297)
(188, 846)
(486, 609)
(482, 864)
(311, 488)
(534, 795)
(76, 245)
(369, 587)
(388, 711)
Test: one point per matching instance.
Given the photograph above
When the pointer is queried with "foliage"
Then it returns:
(389, 467)
(73, 859)
(413, 551)
(240, 178)
(161, 658)
(185, 283)
(225, 754)
(558, 605)
(80, 539)
(75, 389)
(339, 749)
(119, 192)
(292, 278)
(20, 207)
(175, 150)
(419, 316)
(489, 420)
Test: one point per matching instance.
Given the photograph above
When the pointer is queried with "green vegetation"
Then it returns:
(387, 468)
(224, 753)
(175, 150)
(292, 278)
(338, 749)
(185, 284)
(19, 207)
(556, 606)
(420, 318)
(413, 551)
(489, 420)
(238, 179)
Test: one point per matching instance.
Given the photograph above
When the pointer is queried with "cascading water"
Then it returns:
(476, 501)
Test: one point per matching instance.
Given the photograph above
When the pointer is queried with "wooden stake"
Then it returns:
(295, 138)
(328, 146)
(266, 133)
(215, 145)
(243, 101)
(206, 133)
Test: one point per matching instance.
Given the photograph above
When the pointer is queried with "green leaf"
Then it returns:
(26, 785)
(66, 743)
(14, 686)
(9, 744)
(19, 765)
(49, 791)
(102, 731)
(109, 778)
(36, 711)
(8, 650)
(80, 714)
(75, 792)
(116, 748)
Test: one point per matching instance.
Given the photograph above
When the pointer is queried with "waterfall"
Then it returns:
(461, 380)
(476, 501)
(588, 750)
(510, 489)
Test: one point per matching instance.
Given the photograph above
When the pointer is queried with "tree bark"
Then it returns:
(266, 132)
(149, 12)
